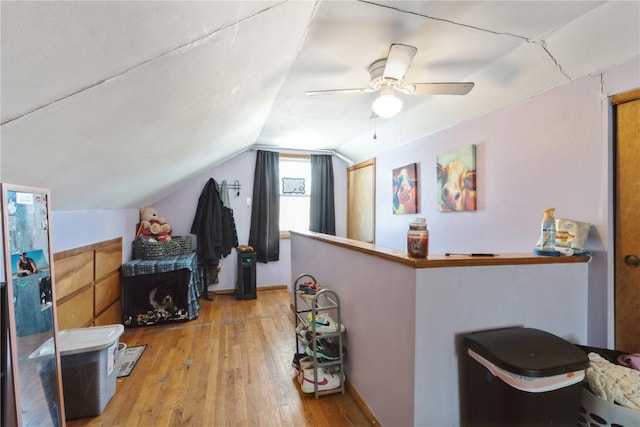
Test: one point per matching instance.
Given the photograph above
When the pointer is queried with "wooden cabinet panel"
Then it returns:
(112, 315)
(107, 291)
(76, 312)
(72, 273)
(108, 259)
(87, 281)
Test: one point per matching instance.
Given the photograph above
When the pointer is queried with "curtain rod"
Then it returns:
(298, 150)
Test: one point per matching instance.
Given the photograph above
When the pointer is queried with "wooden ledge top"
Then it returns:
(440, 260)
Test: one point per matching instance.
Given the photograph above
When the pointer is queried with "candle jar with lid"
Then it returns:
(418, 238)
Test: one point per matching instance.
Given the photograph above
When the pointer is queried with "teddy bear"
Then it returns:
(163, 233)
(152, 225)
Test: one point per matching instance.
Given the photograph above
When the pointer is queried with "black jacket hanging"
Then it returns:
(208, 224)
(229, 233)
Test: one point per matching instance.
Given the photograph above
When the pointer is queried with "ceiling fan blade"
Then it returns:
(398, 61)
(460, 88)
(336, 91)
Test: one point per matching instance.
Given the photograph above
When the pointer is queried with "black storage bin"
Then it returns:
(246, 283)
(523, 377)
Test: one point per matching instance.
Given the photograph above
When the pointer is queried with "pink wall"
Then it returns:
(545, 151)
(404, 326)
(179, 209)
(549, 150)
(378, 308)
(72, 229)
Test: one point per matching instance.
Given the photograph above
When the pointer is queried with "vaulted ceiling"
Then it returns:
(115, 104)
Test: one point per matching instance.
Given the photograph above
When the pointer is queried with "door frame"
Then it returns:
(367, 163)
(615, 100)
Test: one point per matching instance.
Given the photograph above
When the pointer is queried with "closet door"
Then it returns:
(361, 196)
(627, 232)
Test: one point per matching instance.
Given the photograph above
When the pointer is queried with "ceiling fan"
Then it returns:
(387, 76)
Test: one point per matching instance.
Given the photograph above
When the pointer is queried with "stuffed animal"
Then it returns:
(163, 233)
(152, 225)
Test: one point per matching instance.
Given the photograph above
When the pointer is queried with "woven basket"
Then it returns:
(148, 249)
(185, 243)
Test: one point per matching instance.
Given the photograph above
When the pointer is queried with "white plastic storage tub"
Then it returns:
(88, 360)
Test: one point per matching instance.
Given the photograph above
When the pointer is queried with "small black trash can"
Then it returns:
(523, 377)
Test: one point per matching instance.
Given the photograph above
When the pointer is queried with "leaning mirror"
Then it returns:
(37, 384)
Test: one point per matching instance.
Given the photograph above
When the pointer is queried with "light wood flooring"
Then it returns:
(229, 367)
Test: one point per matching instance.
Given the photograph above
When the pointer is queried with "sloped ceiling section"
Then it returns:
(117, 104)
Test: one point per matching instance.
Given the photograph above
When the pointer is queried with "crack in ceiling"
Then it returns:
(543, 44)
(182, 48)
(448, 21)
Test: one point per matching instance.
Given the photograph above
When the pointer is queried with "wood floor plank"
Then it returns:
(229, 367)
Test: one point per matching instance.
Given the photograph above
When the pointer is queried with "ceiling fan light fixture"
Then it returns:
(387, 106)
(387, 75)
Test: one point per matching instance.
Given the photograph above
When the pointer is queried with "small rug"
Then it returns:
(128, 358)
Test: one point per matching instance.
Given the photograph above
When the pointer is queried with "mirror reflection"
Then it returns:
(28, 262)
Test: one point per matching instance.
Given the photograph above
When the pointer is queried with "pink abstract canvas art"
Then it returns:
(405, 189)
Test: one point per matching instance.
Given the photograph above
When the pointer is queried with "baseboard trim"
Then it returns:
(258, 289)
(271, 287)
(361, 404)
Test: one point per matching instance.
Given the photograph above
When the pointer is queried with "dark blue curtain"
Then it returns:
(264, 234)
(322, 205)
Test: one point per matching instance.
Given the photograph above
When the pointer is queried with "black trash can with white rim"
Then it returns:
(523, 377)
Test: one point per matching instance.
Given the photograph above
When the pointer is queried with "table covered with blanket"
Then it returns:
(162, 290)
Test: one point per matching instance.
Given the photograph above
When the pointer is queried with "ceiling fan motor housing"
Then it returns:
(378, 80)
(387, 75)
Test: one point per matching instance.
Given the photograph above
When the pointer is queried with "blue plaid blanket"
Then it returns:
(162, 265)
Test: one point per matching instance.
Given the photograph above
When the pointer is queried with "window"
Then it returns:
(295, 189)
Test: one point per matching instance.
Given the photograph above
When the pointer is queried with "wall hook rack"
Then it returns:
(236, 187)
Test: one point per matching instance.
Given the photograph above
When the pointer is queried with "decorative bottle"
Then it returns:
(549, 230)
(418, 238)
